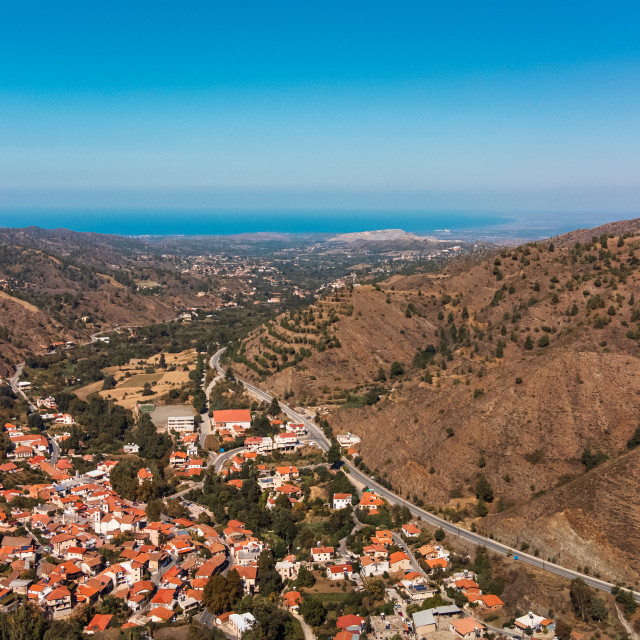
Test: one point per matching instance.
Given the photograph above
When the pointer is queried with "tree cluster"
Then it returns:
(221, 593)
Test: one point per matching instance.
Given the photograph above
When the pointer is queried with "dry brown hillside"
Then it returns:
(515, 368)
(590, 522)
(57, 285)
(369, 332)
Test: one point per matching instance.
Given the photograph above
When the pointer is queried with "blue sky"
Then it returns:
(501, 106)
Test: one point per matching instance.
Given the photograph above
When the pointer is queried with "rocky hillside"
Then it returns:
(516, 378)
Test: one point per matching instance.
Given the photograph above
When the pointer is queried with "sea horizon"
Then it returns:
(217, 222)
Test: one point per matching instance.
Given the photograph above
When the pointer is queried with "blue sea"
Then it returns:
(138, 222)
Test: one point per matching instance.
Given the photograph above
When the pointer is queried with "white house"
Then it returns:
(288, 568)
(259, 444)
(341, 500)
(410, 530)
(340, 572)
(288, 473)
(286, 441)
(241, 622)
(534, 621)
(192, 450)
(321, 554)
(47, 403)
(372, 567)
(347, 440)
(299, 428)
(105, 524)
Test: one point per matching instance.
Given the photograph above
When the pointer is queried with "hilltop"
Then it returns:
(379, 235)
(517, 371)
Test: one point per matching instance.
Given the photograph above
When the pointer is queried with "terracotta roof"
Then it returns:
(59, 593)
(247, 573)
(163, 596)
(232, 415)
(98, 623)
(466, 625)
(340, 568)
(317, 550)
(349, 620)
(436, 562)
(465, 583)
(411, 528)
(370, 499)
(161, 612)
(398, 556)
(292, 598)
(492, 601)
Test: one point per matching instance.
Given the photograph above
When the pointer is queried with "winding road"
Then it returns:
(416, 511)
(13, 381)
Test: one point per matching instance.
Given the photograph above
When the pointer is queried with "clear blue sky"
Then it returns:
(501, 106)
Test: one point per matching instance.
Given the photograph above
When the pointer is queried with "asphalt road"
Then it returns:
(13, 381)
(55, 451)
(226, 455)
(217, 462)
(415, 565)
(392, 498)
(205, 425)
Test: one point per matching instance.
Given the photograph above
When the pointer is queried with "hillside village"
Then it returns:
(266, 516)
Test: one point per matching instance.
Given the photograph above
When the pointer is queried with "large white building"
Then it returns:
(181, 423)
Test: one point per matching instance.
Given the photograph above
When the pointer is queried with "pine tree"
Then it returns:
(484, 491)
(274, 407)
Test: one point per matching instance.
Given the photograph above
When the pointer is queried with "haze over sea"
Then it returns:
(136, 222)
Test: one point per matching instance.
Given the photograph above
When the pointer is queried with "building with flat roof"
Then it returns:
(181, 423)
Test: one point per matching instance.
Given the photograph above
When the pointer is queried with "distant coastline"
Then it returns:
(464, 225)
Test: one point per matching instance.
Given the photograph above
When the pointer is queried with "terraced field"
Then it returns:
(295, 337)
